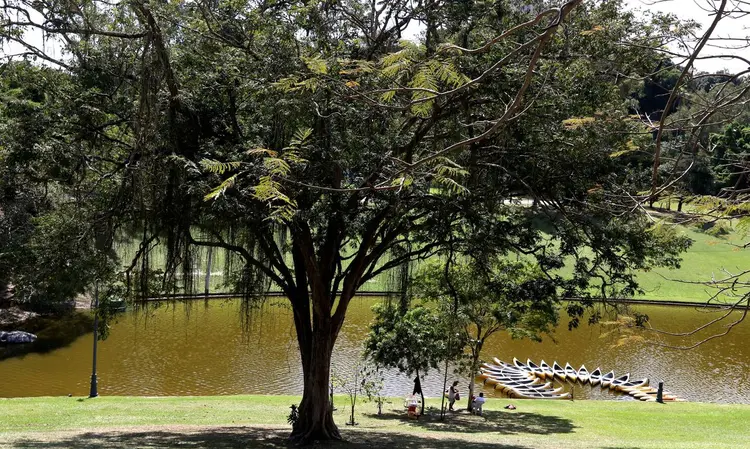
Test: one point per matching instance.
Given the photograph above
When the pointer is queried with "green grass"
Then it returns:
(260, 421)
(707, 257)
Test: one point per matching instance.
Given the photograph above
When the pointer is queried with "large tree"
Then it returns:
(320, 150)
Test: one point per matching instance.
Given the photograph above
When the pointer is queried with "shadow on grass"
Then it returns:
(508, 423)
(240, 437)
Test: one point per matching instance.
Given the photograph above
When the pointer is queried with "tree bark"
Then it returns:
(445, 383)
(316, 323)
(471, 393)
(315, 412)
(474, 368)
(476, 352)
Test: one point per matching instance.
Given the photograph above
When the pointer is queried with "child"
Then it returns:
(477, 403)
(412, 407)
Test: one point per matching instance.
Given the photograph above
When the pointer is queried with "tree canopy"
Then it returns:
(320, 148)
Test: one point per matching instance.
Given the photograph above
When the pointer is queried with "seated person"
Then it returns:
(412, 407)
(476, 405)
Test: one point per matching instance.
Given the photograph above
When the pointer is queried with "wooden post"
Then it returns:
(208, 270)
(94, 391)
(660, 393)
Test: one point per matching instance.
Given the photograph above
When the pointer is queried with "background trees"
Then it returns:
(731, 153)
(700, 147)
(478, 301)
(48, 245)
(412, 340)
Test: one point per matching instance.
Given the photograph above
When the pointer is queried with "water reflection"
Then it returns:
(201, 349)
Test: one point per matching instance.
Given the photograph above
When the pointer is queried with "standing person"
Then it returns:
(453, 395)
(418, 391)
(417, 386)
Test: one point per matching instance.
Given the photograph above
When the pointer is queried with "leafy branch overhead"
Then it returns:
(275, 167)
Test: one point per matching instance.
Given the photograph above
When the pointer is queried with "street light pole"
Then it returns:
(94, 393)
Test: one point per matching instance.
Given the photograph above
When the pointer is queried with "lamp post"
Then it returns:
(94, 393)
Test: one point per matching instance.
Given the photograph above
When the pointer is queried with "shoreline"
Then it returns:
(380, 294)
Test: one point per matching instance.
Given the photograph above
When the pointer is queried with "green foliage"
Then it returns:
(364, 154)
(148, 165)
(221, 188)
(293, 415)
(481, 300)
(400, 62)
(731, 156)
(512, 296)
(219, 167)
(412, 341)
(62, 272)
(317, 65)
(373, 389)
(269, 187)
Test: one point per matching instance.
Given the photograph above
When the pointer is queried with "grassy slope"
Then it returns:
(707, 256)
(169, 422)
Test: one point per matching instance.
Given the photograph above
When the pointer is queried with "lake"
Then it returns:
(203, 348)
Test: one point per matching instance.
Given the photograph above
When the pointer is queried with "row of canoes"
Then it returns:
(519, 383)
(527, 380)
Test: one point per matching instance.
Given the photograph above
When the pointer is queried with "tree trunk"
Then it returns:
(471, 394)
(317, 328)
(474, 369)
(315, 412)
(445, 383)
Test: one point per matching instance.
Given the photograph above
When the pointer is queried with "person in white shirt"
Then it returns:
(453, 395)
(476, 406)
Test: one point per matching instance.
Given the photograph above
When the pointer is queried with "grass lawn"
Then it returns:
(708, 256)
(260, 422)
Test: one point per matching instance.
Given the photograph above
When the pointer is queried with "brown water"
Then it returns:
(201, 349)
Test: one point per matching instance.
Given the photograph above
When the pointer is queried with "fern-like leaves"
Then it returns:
(217, 167)
(221, 188)
(276, 166)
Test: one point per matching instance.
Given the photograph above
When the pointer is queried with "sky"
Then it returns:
(732, 26)
(683, 9)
